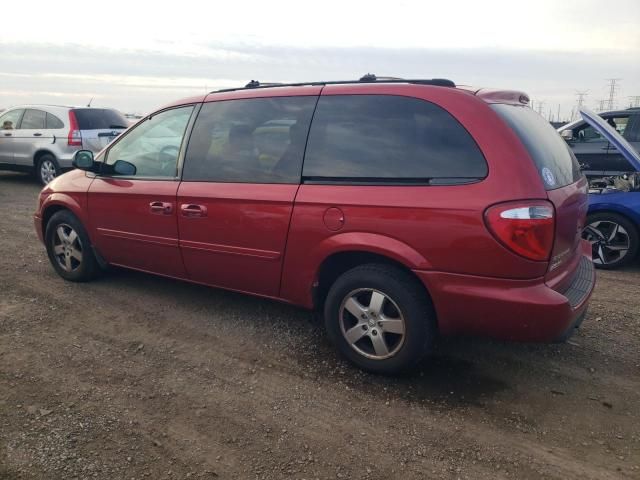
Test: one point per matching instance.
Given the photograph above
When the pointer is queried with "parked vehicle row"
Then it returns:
(43, 138)
(402, 209)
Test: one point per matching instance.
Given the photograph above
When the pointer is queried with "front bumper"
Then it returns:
(37, 223)
(517, 310)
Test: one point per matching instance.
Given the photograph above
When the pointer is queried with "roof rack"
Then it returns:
(368, 78)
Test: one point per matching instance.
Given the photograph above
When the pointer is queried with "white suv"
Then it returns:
(43, 138)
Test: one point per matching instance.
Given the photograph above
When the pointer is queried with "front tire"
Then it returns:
(69, 248)
(380, 318)
(47, 168)
(614, 240)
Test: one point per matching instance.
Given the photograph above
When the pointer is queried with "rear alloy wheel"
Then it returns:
(613, 238)
(380, 317)
(47, 169)
(69, 248)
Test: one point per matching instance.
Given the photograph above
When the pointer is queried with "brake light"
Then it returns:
(526, 228)
(75, 138)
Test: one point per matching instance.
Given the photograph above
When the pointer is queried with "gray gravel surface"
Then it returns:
(134, 376)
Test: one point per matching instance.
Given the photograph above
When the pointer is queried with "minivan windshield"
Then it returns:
(99, 119)
(556, 163)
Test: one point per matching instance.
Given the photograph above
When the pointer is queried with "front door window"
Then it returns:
(151, 149)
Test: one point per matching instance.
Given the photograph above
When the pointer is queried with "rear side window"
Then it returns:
(54, 122)
(556, 163)
(99, 119)
(33, 119)
(386, 138)
(259, 140)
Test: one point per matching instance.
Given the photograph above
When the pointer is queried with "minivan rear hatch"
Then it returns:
(560, 174)
(99, 126)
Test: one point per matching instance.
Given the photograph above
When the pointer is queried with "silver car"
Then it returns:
(43, 138)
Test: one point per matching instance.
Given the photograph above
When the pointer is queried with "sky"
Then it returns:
(137, 56)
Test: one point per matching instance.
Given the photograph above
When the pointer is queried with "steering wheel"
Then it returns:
(167, 156)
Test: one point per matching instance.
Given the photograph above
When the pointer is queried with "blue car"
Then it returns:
(613, 219)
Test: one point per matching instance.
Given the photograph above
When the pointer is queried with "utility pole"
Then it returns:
(634, 101)
(614, 86)
(558, 117)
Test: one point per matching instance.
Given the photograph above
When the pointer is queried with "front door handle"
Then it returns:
(161, 208)
(7, 134)
(37, 134)
(191, 210)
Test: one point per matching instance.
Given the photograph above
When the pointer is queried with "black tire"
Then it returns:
(61, 249)
(599, 230)
(405, 300)
(47, 168)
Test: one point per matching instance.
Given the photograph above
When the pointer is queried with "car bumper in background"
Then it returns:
(517, 310)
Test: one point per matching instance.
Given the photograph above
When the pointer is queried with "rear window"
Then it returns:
(99, 119)
(556, 163)
(386, 138)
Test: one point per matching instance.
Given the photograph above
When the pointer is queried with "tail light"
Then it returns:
(75, 138)
(526, 228)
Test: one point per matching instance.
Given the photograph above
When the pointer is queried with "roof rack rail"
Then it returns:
(368, 78)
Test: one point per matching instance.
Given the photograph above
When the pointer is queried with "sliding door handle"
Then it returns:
(191, 210)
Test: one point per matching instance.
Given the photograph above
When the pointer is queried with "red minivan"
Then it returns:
(403, 209)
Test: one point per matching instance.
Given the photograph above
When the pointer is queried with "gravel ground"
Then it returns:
(134, 376)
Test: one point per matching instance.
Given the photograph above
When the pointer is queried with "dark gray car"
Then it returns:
(43, 138)
(598, 156)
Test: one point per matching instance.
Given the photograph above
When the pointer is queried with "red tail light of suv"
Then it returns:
(402, 209)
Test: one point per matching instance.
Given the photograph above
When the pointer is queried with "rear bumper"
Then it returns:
(517, 310)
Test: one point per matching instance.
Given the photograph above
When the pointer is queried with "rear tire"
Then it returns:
(47, 168)
(380, 318)
(69, 248)
(614, 240)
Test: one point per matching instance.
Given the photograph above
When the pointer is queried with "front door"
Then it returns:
(31, 136)
(239, 182)
(132, 202)
(9, 123)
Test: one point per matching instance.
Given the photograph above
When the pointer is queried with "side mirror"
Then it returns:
(83, 159)
(567, 134)
(122, 167)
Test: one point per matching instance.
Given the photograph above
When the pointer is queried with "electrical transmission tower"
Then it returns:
(581, 96)
(634, 101)
(614, 86)
(601, 105)
(540, 105)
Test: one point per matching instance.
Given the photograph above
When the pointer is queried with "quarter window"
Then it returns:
(258, 140)
(152, 147)
(33, 119)
(54, 122)
(386, 138)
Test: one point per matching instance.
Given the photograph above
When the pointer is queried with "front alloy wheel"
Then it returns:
(67, 248)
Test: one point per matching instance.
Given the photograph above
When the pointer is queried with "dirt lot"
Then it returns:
(134, 376)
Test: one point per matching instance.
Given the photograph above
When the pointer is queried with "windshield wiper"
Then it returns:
(117, 126)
